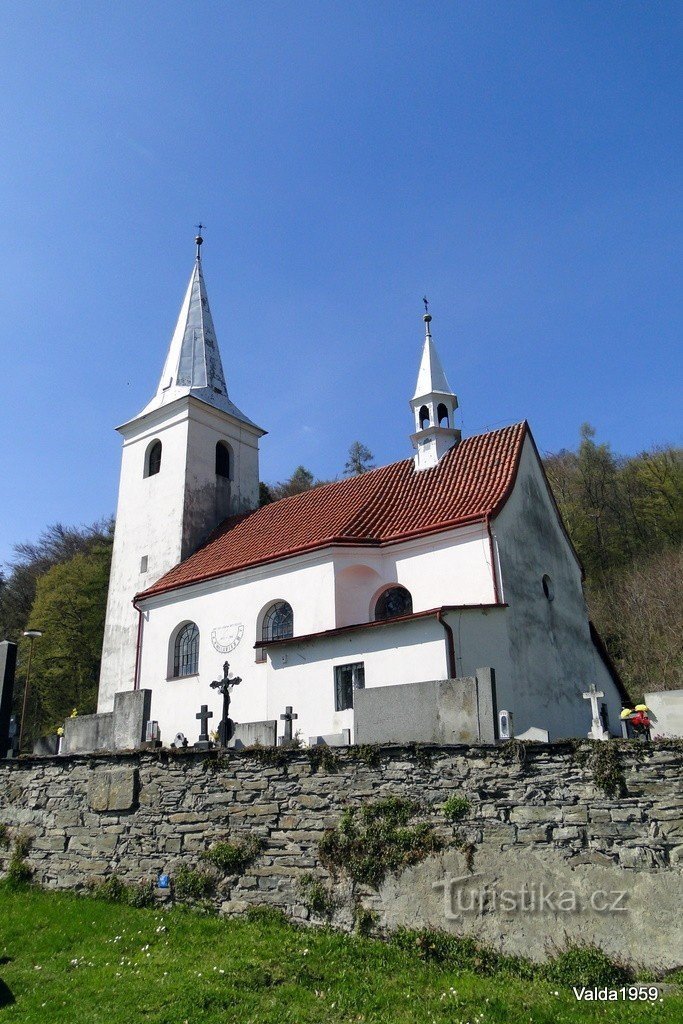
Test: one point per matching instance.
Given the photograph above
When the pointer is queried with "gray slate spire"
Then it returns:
(193, 364)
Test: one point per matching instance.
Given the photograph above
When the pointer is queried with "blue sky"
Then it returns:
(520, 163)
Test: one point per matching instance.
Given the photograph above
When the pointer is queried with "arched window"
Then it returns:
(424, 417)
(186, 651)
(278, 622)
(153, 459)
(223, 460)
(392, 602)
(442, 414)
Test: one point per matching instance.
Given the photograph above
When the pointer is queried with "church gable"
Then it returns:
(384, 506)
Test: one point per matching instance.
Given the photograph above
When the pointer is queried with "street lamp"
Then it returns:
(32, 634)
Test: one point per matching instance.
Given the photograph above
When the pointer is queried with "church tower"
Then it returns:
(190, 458)
(433, 406)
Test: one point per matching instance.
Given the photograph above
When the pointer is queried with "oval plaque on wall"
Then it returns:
(226, 638)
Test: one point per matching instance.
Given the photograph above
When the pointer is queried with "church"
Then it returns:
(426, 569)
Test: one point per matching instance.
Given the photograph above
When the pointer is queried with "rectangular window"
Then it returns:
(143, 563)
(347, 678)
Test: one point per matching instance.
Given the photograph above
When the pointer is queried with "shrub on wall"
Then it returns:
(378, 838)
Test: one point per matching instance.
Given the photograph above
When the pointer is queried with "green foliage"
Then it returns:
(70, 958)
(69, 607)
(19, 873)
(191, 884)
(377, 839)
(359, 460)
(606, 767)
(233, 857)
(114, 890)
(322, 757)
(270, 917)
(364, 920)
(625, 518)
(459, 953)
(318, 897)
(586, 965)
(369, 753)
(456, 807)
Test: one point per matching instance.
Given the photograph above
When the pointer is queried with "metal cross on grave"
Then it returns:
(597, 731)
(204, 716)
(224, 685)
(288, 718)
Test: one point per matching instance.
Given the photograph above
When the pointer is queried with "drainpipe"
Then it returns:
(492, 551)
(450, 644)
(138, 648)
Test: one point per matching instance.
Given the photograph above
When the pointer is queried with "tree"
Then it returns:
(301, 480)
(69, 608)
(359, 460)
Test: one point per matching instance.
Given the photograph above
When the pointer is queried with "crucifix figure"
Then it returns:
(597, 731)
(204, 716)
(288, 718)
(224, 685)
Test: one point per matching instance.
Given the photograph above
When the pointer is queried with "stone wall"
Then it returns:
(537, 820)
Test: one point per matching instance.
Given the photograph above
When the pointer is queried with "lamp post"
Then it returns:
(32, 634)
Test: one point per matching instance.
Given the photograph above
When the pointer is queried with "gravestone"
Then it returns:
(8, 664)
(597, 729)
(251, 734)
(131, 714)
(288, 718)
(334, 739)
(203, 715)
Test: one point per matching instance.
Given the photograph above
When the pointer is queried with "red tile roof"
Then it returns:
(384, 506)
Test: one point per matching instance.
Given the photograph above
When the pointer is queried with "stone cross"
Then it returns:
(204, 716)
(597, 731)
(288, 718)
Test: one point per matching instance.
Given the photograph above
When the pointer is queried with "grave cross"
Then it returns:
(224, 685)
(204, 716)
(597, 731)
(288, 718)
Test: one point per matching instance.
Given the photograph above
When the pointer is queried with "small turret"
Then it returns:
(433, 406)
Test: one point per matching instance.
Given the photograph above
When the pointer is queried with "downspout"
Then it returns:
(492, 552)
(450, 644)
(138, 648)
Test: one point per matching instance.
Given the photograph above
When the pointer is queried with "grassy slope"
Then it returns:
(83, 961)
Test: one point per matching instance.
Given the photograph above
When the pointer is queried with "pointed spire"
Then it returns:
(431, 378)
(193, 365)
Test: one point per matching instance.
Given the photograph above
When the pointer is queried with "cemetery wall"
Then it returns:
(537, 820)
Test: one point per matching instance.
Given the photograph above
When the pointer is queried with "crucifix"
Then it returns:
(204, 715)
(597, 731)
(288, 718)
(224, 685)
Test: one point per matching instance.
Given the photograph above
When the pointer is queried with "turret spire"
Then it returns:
(433, 405)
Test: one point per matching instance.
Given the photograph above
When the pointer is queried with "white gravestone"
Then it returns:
(597, 730)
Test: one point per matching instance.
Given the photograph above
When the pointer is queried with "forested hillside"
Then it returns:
(624, 515)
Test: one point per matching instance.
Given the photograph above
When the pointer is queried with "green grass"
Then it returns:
(77, 960)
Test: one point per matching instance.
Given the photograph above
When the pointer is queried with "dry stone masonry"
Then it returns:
(538, 820)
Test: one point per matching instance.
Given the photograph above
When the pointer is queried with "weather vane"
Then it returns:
(426, 302)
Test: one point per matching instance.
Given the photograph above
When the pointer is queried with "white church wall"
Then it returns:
(303, 675)
(447, 568)
(237, 601)
(553, 658)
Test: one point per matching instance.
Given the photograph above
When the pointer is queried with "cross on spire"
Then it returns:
(199, 240)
